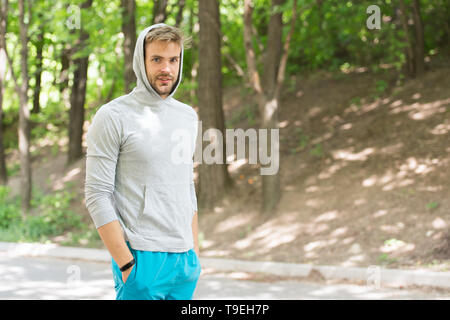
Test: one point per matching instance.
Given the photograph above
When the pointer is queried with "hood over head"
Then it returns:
(143, 88)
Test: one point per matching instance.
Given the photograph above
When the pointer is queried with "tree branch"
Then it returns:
(250, 56)
(283, 62)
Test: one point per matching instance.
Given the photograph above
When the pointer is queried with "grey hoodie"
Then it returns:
(133, 169)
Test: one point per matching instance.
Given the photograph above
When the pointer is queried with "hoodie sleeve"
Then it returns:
(103, 145)
(193, 194)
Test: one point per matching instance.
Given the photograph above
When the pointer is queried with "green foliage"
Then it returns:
(381, 86)
(9, 209)
(328, 35)
(303, 139)
(12, 169)
(384, 258)
(316, 151)
(432, 205)
(247, 113)
(53, 216)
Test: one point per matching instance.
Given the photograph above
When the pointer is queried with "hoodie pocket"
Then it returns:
(166, 210)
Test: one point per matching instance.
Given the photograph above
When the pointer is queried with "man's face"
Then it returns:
(162, 64)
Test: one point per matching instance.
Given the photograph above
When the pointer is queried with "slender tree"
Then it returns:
(269, 95)
(159, 11)
(409, 48)
(179, 17)
(24, 112)
(38, 73)
(415, 45)
(420, 42)
(129, 32)
(210, 101)
(78, 96)
(3, 63)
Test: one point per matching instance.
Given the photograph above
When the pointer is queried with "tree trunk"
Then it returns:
(179, 17)
(269, 96)
(420, 44)
(64, 76)
(3, 62)
(129, 31)
(274, 46)
(77, 99)
(213, 178)
(271, 188)
(38, 73)
(159, 11)
(76, 114)
(409, 50)
(24, 115)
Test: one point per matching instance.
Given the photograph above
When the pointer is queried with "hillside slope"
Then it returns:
(365, 177)
(364, 169)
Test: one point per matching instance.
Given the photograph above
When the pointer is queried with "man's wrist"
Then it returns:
(127, 266)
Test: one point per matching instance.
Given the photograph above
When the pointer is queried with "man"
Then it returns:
(141, 198)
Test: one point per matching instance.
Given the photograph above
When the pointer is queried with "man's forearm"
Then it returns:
(112, 236)
(195, 232)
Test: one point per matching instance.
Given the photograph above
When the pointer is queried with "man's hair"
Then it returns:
(167, 33)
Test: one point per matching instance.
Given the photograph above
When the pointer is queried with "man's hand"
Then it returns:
(112, 236)
(126, 273)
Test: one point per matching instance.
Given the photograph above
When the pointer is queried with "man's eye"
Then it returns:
(174, 60)
(155, 59)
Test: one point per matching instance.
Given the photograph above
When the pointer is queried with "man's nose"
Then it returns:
(165, 67)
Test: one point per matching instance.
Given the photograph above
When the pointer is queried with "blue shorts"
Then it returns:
(159, 276)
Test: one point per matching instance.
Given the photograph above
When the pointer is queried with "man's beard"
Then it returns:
(168, 88)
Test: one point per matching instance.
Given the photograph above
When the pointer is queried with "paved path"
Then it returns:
(51, 278)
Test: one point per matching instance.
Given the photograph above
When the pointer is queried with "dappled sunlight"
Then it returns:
(439, 223)
(354, 260)
(314, 203)
(339, 232)
(393, 229)
(442, 128)
(346, 126)
(275, 233)
(314, 111)
(42, 143)
(379, 213)
(311, 189)
(392, 149)
(233, 222)
(331, 170)
(404, 176)
(283, 124)
(360, 110)
(360, 202)
(206, 244)
(344, 157)
(395, 246)
(72, 175)
(369, 107)
(327, 216)
(311, 246)
(269, 236)
(351, 156)
(419, 111)
(234, 166)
